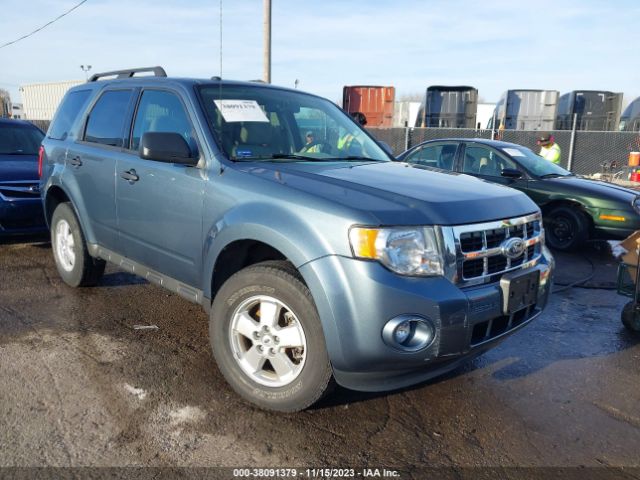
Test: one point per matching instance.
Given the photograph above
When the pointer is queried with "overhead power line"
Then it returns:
(43, 26)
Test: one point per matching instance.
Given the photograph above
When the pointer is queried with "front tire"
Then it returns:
(267, 338)
(566, 228)
(76, 267)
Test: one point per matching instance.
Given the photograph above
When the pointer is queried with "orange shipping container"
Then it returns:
(375, 102)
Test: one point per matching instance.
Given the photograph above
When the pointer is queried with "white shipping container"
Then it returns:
(405, 113)
(40, 100)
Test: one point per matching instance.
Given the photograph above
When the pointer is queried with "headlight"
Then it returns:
(406, 250)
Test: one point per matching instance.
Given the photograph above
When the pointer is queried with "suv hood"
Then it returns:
(400, 194)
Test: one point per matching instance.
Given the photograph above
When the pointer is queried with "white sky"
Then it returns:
(493, 45)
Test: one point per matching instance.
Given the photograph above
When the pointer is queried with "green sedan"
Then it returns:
(574, 209)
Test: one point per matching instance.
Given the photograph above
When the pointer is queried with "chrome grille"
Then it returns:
(19, 190)
(479, 248)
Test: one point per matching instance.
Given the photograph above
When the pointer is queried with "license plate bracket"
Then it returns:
(519, 290)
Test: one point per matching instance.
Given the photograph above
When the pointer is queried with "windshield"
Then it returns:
(19, 140)
(259, 123)
(535, 163)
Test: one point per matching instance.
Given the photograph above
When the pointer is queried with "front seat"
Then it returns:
(447, 154)
(255, 140)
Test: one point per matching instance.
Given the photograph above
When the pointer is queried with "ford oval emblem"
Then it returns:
(512, 247)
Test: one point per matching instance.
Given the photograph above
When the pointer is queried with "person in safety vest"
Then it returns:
(311, 146)
(347, 140)
(549, 149)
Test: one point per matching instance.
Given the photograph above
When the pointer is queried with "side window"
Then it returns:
(484, 161)
(106, 120)
(67, 113)
(437, 156)
(161, 111)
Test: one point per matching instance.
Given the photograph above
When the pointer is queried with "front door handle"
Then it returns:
(75, 162)
(130, 176)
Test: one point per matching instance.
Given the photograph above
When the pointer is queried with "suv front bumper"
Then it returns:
(355, 299)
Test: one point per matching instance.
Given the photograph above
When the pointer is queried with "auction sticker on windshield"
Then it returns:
(241, 111)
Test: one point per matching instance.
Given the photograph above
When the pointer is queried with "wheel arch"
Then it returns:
(57, 194)
(571, 203)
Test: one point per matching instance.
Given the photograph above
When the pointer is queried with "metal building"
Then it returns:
(40, 100)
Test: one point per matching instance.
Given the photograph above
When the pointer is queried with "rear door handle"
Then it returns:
(130, 176)
(75, 162)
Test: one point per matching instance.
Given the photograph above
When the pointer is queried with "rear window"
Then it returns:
(19, 140)
(73, 103)
(106, 120)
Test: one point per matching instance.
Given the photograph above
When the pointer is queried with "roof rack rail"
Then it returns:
(157, 72)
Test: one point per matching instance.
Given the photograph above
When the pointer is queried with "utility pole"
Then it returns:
(266, 76)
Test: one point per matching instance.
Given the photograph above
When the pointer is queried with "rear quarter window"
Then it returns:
(107, 118)
(67, 113)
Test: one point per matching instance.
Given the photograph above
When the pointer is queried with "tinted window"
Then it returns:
(161, 112)
(437, 156)
(106, 120)
(484, 161)
(67, 113)
(19, 139)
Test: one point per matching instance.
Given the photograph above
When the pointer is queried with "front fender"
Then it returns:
(300, 240)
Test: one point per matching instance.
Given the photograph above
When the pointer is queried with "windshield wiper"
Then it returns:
(556, 175)
(293, 156)
(352, 158)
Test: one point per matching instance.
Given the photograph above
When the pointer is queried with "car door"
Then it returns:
(487, 163)
(159, 204)
(436, 155)
(91, 163)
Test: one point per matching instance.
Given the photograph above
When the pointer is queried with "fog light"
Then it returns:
(409, 333)
(402, 332)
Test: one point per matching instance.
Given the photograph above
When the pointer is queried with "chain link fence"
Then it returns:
(41, 124)
(590, 152)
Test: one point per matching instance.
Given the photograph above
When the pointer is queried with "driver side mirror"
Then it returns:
(166, 147)
(511, 173)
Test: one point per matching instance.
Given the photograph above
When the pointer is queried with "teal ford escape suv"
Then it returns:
(319, 264)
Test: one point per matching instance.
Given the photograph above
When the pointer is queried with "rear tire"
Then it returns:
(267, 338)
(76, 267)
(565, 228)
(631, 318)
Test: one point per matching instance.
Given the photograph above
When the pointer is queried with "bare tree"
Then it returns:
(5, 101)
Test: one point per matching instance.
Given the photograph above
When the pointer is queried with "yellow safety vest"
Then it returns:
(551, 153)
(345, 142)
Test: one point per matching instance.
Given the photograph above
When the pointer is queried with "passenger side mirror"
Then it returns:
(385, 146)
(511, 173)
(166, 147)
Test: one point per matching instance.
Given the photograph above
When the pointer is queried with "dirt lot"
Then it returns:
(81, 387)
